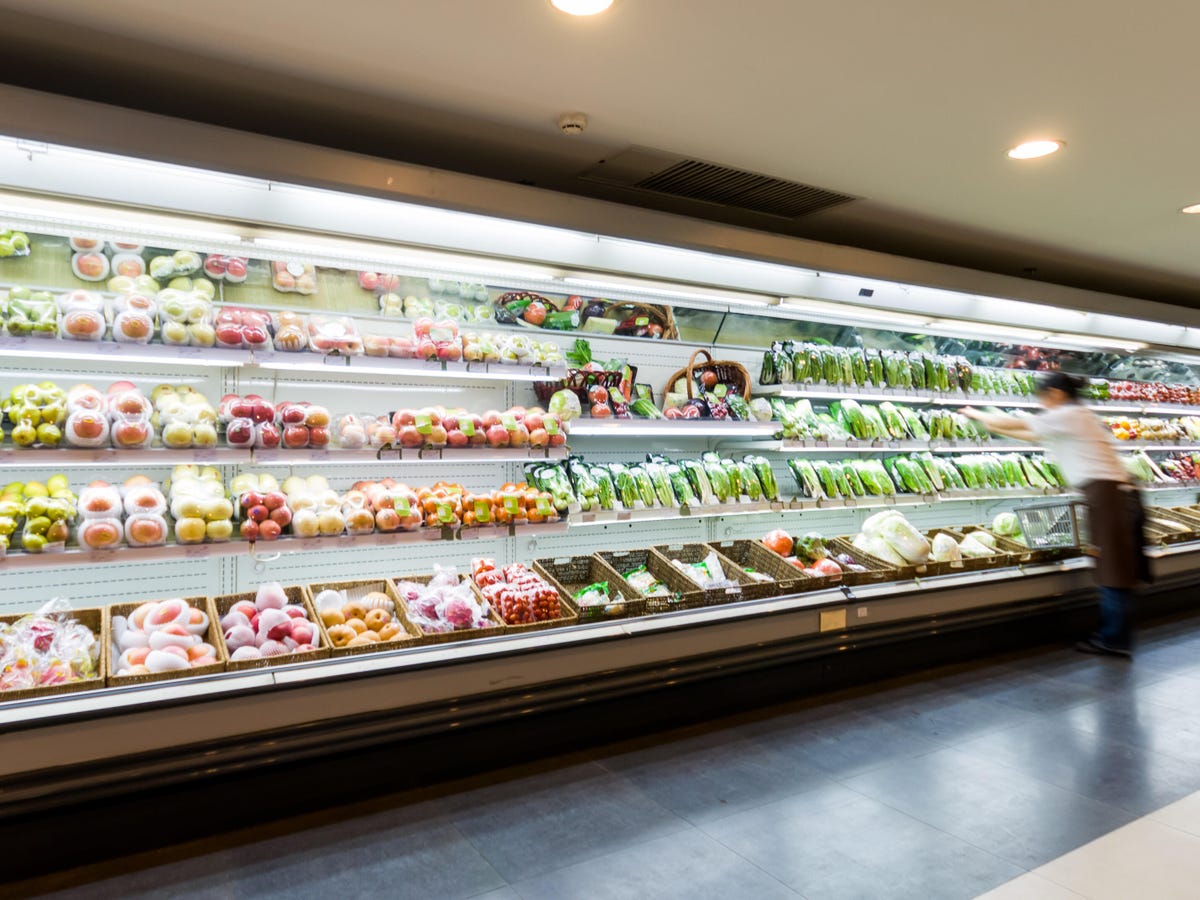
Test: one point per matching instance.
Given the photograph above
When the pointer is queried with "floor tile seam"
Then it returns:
(745, 859)
(679, 825)
(827, 781)
(937, 828)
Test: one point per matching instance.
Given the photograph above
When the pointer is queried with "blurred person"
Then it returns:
(1084, 449)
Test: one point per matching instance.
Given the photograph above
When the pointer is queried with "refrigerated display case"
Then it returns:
(328, 390)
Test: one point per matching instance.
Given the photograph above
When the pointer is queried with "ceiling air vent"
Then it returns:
(744, 190)
(640, 168)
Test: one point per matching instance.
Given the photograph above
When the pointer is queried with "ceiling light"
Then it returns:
(582, 7)
(1034, 149)
(1191, 210)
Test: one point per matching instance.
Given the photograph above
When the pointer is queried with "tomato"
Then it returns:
(535, 313)
(708, 378)
(779, 541)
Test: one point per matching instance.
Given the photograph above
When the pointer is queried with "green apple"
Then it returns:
(180, 284)
(33, 543)
(49, 434)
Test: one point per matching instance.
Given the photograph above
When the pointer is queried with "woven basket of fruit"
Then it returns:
(707, 376)
(641, 320)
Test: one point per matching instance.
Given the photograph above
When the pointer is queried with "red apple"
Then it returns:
(456, 438)
(534, 421)
(518, 413)
(291, 414)
(519, 436)
(281, 516)
(258, 513)
(251, 498)
(241, 408)
(558, 440)
(497, 436)
(88, 426)
(318, 436)
(426, 349)
(273, 499)
(120, 387)
(269, 530)
(296, 612)
(490, 418)
(268, 436)
(229, 335)
(423, 326)
(249, 532)
(450, 421)
(131, 433)
(387, 520)
(449, 352)
(254, 335)
(235, 268)
(295, 436)
(389, 282)
(436, 436)
(539, 438)
(410, 437)
(403, 417)
(368, 281)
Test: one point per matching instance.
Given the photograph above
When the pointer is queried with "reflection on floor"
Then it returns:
(949, 785)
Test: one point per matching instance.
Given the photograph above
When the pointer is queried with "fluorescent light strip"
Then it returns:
(657, 289)
(844, 311)
(521, 374)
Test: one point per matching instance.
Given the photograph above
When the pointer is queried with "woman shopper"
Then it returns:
(1085, 451)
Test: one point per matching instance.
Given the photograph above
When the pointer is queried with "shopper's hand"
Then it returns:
(972, 413)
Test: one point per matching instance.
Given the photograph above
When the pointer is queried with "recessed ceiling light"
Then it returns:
(1191, 210)
(582, 7)
(1034, 149)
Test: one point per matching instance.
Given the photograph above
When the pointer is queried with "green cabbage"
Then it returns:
(1006, 524)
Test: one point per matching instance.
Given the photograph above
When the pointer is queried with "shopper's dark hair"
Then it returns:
(1061, 381)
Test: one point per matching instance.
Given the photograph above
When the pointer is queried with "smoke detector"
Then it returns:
(572, 123)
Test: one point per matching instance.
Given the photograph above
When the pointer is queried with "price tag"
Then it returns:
(445, 513)
(423, 423)
(467, 427)
(512, 505)
(509, 421)
(544, 506)
(550, 423)
(483, 511)
(641, 321)
(720, 390)
(402, 506)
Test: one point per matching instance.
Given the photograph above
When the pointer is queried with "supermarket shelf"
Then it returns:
(658, 514)
(807, 446)
(386, 455)
(825, 392)
(985, 447)
(1147, 409)
(1004, 400)
(264, 551)
(404, 368)
(681, 428)
(54, 457)
(163, 354)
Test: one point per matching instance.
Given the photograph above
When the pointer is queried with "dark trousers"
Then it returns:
(1116, 618)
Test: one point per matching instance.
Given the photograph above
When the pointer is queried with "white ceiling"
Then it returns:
(909, 104)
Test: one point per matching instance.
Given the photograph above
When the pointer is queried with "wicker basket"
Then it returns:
(356, 590)
(579, 382)
(657, 315)
(1023, 553)
(694, 553)
(572, 574)
(877, 569)
(727, 372)
(785, 578)
(1018, 553)
(95, 620)
(687, 594)
(296, 595)
(446, 637)
(212, 636)
(967, 563)
(807, 582)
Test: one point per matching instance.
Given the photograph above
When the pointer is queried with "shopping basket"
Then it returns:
(1053, 523)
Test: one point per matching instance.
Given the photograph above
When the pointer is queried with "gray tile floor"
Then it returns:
(939, 786)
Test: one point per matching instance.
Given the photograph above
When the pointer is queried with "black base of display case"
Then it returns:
(542, 728)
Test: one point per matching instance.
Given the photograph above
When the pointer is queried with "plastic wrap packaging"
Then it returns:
(133, 327)
(519, 595)
(31, 313)
(291, 334)
(240, 433)
(146, 530)
(128, 265)
(82, 325)
(47, 524)
(232, 269)
(327, 334)
(186, 318)
(144, 499)
(135, 301)
(360, 622)
(86, 428)
(351, 432)
(288, 277)
(86, 397)
(131, 432)
(90, 266)
(100, 534)
(243, 328)
(161, 636)
(376, 344)
(269, 626)
(445, 604)
(266, 436)
(48, 647)
(100, 501)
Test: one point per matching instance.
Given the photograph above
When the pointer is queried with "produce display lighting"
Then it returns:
(1191, 210)
(1035, 149)
(657, 289)
(582, 7)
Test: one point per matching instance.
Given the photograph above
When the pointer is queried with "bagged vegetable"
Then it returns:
(945, 549)
(1007, 524)
(879, 549)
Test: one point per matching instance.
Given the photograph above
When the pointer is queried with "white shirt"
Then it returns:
(1082, 446)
